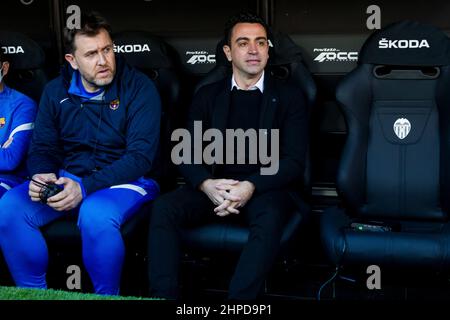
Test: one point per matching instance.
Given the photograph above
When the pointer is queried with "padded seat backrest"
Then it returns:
(27, 60)
(151, 55)
(391, 163)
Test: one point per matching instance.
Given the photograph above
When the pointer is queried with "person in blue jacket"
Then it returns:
(96, 135)
(17, 114)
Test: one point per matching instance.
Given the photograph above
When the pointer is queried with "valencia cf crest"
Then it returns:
(2, 122)
(114, 105)
(402, 127)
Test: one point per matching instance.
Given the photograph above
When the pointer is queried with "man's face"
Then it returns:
(249, 50)
(4, 68)
(94, 59)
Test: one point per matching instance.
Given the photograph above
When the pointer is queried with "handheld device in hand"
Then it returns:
(373, 227)
(47, 190)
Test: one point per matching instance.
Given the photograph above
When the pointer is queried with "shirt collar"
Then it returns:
(258, 85)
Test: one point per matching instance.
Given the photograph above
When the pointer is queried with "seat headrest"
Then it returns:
(282, 50)
(406, 43)
(142, 49)
(221, 58)
(22, 52)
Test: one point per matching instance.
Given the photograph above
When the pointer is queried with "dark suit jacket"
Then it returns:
(283, 107)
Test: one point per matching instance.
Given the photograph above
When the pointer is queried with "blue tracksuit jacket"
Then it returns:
(107, 142)
(17, 114)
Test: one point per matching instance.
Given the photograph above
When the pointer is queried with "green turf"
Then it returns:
(12, 293)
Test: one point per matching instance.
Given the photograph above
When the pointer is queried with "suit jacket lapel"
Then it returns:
(220, 112)
(221, 108)
(269, 104)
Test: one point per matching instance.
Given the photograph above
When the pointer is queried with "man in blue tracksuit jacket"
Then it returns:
(96, 134)
(17, 113)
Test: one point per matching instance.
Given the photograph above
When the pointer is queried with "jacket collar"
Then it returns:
(111, 91)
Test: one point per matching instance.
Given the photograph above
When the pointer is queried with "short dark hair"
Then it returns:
(90, 25)
(242, 17)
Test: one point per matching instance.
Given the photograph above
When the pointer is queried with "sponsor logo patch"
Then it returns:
(402, 44)
(335, 55)
(200, 57)
(131, 48)
(114, 105)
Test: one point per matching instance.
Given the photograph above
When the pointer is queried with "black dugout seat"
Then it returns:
(394, 174)
(285, 62)
(148, 54)
(26, 74)
(27, 61)
(156, 59)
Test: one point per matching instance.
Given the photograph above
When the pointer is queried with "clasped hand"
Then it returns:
(227, 194)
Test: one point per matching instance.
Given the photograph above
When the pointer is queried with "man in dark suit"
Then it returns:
(249, 99)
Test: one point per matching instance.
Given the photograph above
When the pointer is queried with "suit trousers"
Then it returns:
(265, 214)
